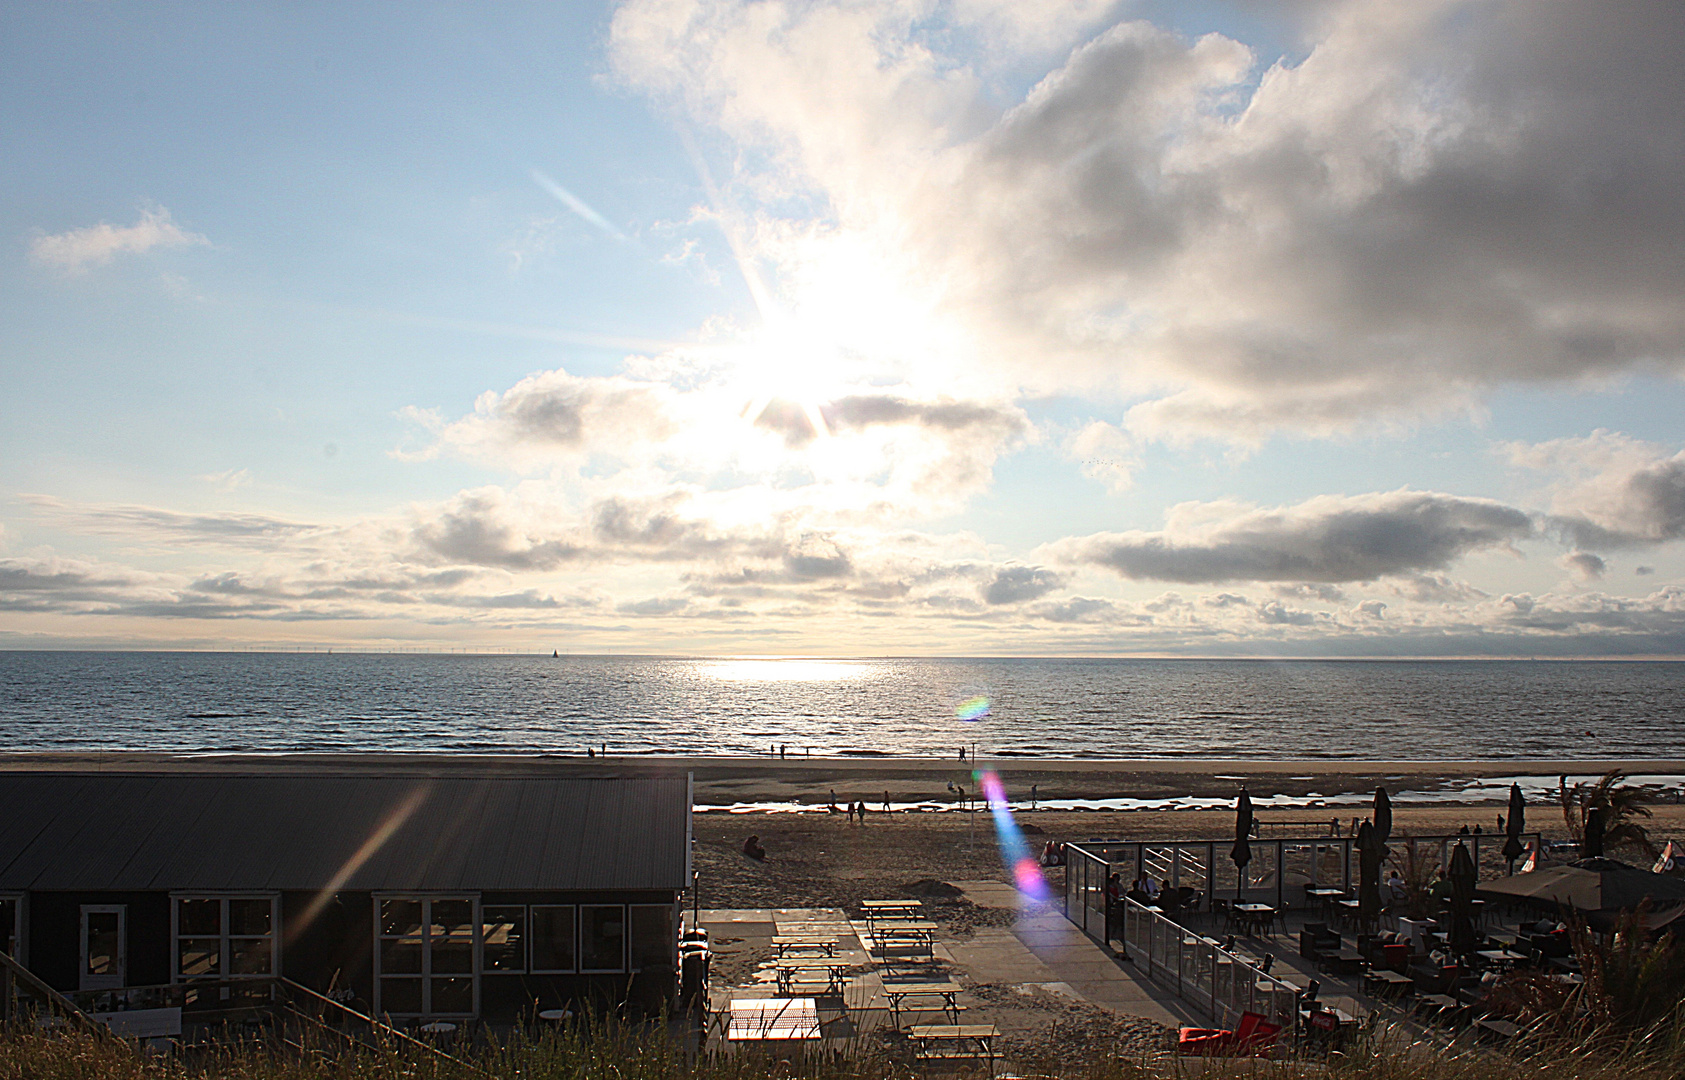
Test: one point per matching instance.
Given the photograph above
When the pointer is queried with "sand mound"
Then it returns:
(931, 889)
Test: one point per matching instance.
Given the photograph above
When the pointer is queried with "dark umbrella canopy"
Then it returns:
(1461, 937)
(1514, 825)
(1241, 853)
(1592, 847)
(1369, 856)
(1591, 885)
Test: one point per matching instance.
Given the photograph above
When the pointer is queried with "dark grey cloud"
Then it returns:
(1016, 584)
(483, 528)
(1584, 565)
(127, 520)
(1327, 539)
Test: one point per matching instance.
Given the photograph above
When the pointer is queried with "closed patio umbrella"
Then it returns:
(1591, 847)
(1370, 852)
(1514, 824)
(1462, 877)
(1241, 853)
(1383, 818)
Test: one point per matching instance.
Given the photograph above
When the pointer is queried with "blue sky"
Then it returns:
(1312, 328)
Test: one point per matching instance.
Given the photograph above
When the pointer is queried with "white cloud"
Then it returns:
(1441, 197)
(1610, 490)
(74, 251)
(228, 479)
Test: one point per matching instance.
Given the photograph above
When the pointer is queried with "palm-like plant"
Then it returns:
(1622, 805)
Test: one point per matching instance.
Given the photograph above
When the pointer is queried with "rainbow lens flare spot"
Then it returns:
(1026, 872)
(975, 709)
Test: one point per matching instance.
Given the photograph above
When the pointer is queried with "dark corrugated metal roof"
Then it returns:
(173, 831)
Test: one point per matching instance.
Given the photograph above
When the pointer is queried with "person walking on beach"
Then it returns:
(1032, 797)
(886, 802)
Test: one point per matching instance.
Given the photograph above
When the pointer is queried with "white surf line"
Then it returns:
(1495, 789)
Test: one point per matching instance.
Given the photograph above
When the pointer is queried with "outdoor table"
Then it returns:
(913, 934)
(1256, 915)
(1438, 1005)
(1324, 896)
(1344, 962)
(787, 945)
(795, 969)
(1501, 957)
(885, 910)
(898, 993)
(1388, 982)
(966, 1042)
(763, 1019)
(1348, 911)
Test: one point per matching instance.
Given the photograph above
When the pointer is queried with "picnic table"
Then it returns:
(898, 993)
(768, 1019)
(826, 976)
(951, 1042)
(804, 943)
(916, 935)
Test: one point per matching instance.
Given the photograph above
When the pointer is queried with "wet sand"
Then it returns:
(722, 781)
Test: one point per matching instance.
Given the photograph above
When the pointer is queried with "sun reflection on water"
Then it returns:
(785, 669)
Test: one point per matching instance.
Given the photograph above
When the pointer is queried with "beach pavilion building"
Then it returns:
(451, 896)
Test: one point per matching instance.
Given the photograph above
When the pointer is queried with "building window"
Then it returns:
(503, 934)
(224, 937)
(554, 939)
(654, 943)
(424, 964)
(602, 937)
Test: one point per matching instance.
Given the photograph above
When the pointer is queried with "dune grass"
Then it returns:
(624, 1052)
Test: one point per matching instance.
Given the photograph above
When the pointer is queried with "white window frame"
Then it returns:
(225, 966)
(532, 959)
(579, 940)
(20, 925)
(426, 899)
(85, 981)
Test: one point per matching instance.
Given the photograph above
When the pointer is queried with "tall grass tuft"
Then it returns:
(611, 1050)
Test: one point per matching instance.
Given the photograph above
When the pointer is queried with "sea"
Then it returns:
(205, 702)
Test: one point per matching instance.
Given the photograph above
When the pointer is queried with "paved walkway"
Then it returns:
(1044, 948)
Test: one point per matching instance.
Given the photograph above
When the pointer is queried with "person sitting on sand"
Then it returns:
(752, 848)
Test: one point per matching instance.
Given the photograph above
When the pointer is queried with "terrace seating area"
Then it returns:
(1311, 937)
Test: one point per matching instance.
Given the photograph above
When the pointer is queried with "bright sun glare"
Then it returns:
(780, 669)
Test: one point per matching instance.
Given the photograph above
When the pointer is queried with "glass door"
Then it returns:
(105, 947)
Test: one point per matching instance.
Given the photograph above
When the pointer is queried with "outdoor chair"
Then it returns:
(1254, 1037)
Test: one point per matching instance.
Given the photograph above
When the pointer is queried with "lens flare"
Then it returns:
(975, 709)
(1026, 872)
